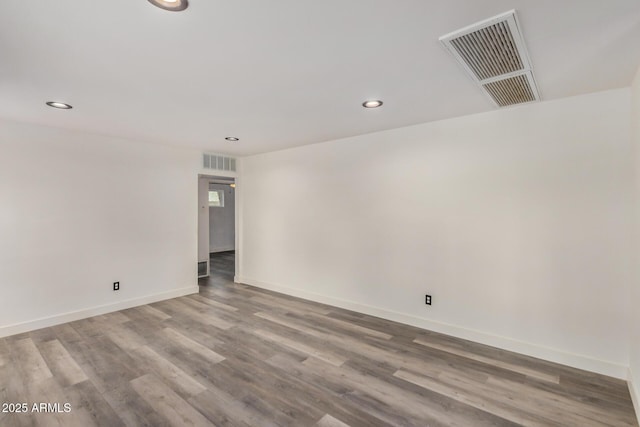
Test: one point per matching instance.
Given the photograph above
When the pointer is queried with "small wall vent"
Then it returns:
(494, 54)
(203, 269)
(221, 163)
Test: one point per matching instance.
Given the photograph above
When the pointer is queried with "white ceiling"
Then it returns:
(283, 73)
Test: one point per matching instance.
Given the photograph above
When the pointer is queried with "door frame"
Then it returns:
(230, 178)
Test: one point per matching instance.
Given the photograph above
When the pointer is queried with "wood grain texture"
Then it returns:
(180, 381)
(236, 355)
(154, 312)
(61, 364)
(193, 346)
(533, 373)
(30, 361)
(167, 403)
(329, 421)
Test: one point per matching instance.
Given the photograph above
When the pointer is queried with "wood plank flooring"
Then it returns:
(235, 355)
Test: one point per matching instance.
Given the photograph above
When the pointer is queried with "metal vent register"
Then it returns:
(494, 55)
(221, 163)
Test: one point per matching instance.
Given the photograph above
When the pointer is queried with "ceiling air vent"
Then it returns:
(494, 54)
(221, 163)
(510, 91)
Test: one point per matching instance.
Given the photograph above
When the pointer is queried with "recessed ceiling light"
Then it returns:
(374, 103)
(60, 105)
(172, 5)
(232, 138)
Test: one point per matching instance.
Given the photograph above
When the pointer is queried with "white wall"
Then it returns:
(516, 221)
(222, 228)
(635, 287)
(80, 211)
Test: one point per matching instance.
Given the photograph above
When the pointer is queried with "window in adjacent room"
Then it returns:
(216, 198)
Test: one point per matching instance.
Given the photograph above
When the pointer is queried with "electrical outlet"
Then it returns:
(427, 299)
(116, 286)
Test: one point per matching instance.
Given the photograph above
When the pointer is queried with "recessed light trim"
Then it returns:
(232, 138)
(171, 5)
(59, 105)
(372, 103)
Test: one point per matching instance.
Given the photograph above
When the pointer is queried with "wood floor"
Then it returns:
(240, 356)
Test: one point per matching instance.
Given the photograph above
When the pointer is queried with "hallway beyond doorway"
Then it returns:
(221, 270)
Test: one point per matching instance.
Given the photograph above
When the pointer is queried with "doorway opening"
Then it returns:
(216, 228)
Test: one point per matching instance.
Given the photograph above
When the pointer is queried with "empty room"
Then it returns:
(337, 213)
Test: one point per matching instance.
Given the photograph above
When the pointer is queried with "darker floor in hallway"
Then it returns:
(222, 268)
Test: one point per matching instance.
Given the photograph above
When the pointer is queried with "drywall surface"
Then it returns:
(515, 221)
(79, 212)
(222, 220)
(634, 364)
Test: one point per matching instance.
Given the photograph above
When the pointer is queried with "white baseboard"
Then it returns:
(45, 322)
(635, 393)
(529, 349)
